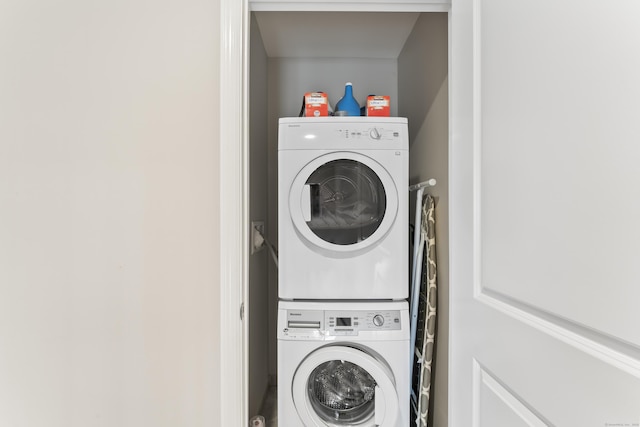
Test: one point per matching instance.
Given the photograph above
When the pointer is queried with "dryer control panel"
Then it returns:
(327, 323)
(368, 133)
(343, 133)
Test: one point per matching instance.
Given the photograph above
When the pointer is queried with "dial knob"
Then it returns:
(378, 320)
(375, 134)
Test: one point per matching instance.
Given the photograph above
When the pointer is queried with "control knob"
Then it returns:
(374, 134)
(378, 320)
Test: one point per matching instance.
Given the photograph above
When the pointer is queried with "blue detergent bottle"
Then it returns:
(348, 103)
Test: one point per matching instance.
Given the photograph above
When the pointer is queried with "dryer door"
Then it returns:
(343, 202)
(344, 386)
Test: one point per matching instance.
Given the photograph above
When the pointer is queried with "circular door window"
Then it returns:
(340, 385)
(340, 391)
(343, 201)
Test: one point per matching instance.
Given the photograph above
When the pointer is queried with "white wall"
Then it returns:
(424, 100)
(108, 213)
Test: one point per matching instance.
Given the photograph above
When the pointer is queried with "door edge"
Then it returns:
(233, 324)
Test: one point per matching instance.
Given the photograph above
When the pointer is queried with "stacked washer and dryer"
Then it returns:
(343, 319)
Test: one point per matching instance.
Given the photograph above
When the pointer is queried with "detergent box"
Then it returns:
(316, 104)
(378, 105)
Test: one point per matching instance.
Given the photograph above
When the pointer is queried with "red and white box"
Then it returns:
(316, 104)
(378, 105)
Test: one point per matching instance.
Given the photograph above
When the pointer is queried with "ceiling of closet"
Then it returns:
(376, 35)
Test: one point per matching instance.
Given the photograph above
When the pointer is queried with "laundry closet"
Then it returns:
(402, 54)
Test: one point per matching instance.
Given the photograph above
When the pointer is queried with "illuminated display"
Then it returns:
(343, 321)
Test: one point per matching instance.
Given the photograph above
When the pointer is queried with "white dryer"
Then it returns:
(343, 364)
(342, 208)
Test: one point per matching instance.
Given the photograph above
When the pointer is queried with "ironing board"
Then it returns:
(424, 301)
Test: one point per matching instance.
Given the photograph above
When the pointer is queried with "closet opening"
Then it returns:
(403, 55)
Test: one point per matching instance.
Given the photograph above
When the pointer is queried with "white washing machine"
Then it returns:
(343, 364)
(343, 208)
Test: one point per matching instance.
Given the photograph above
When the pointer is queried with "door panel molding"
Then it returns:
(484, 380)
(477, 147)
(608, 349)
(605, 347)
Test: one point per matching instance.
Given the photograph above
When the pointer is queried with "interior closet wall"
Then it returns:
(423, 96)
(290, 78)
(257, 309)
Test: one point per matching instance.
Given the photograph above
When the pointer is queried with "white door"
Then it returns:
(545, 203)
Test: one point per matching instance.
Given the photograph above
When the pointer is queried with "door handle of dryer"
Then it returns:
(380, 409)
(305, 202)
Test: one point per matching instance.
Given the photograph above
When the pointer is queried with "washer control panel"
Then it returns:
(341, 322)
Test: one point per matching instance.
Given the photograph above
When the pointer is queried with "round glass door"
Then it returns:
(343, 385)
(342, 392)
(343, 201)
(347, 200)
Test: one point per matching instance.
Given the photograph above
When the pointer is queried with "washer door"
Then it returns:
(343, 202)
(344, 386)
